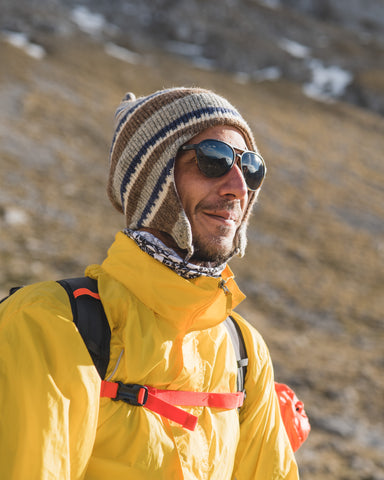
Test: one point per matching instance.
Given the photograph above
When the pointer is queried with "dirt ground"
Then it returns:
(313, 271)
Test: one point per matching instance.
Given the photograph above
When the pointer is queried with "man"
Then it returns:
(185, 171)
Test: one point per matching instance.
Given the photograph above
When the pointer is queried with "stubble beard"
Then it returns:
(220, 247)
(211, 253)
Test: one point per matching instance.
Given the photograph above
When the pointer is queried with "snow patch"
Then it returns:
(122, 53)
(21, 40)
(88, 22)
(327, 82)
(294, 49)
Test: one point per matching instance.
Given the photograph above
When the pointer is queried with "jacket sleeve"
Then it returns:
(264, 451)
(49, 392)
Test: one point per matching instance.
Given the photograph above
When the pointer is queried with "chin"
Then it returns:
(217, 251)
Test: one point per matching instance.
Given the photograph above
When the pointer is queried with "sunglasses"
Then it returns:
(216, 158)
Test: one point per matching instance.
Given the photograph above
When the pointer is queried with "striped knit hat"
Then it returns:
(149, 132)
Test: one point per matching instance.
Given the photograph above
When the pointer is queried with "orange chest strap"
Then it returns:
(164, 402)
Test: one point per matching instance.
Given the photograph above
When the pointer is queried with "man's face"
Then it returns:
(214, 206)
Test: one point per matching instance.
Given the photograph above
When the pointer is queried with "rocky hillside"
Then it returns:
(332, 49)
(313, 272)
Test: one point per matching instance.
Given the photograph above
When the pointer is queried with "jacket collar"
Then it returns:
(188, 304)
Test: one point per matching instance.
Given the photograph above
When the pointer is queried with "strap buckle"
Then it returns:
(132, 393)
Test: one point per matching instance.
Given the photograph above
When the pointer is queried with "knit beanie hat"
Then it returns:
(149, 132)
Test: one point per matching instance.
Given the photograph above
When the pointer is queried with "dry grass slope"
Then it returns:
(313, 271)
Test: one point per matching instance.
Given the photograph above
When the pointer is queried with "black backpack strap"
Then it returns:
(240, 351)
(90, 319)
(11, 292)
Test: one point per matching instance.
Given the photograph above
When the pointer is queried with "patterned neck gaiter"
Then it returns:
(159, 251)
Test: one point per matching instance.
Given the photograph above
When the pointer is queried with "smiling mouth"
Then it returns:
(228, 213)
(225, 217)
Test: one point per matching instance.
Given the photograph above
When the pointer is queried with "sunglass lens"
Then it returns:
(214, 158)
(253, 170)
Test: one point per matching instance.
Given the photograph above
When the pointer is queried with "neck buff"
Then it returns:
(154, 247)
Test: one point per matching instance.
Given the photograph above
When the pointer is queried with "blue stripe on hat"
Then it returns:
(163, 133)
(156, 191)
(131, 110)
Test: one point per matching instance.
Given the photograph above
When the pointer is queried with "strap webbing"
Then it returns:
(163, 401)
(89, 317)
(167, 410)
(240, 351)
(199, 399)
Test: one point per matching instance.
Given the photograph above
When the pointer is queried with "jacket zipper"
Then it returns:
(228, 296)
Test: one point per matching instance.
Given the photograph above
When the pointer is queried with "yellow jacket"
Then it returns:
(167, 333)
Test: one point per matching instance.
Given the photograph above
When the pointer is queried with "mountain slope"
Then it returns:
(313, 271)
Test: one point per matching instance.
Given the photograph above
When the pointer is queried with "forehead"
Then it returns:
(225, 133)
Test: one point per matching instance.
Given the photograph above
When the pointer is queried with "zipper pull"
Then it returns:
(228, 296)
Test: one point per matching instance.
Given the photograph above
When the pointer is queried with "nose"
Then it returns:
(233, 184)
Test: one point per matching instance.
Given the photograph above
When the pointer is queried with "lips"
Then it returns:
(223, 215)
